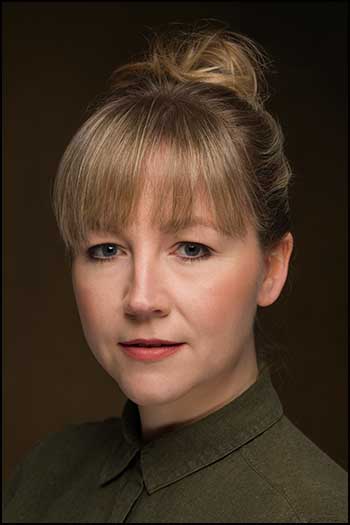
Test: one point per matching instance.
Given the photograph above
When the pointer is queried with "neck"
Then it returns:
(201, 400)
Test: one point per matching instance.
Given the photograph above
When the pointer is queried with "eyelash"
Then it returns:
(186, 260)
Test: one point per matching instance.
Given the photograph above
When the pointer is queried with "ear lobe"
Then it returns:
(276, 271)
(267, 292)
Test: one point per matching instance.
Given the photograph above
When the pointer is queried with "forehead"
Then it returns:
(201, 212)
(166, 191)
(144, 218)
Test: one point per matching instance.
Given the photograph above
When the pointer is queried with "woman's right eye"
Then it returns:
(102, 252)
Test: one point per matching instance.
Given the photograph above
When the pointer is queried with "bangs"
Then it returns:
(174, 152)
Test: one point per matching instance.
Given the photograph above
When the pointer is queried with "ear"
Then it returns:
(276, 271)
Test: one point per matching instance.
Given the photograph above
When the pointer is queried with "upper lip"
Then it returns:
(149, 342)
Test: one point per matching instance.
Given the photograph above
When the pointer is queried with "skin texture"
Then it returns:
(147, 290)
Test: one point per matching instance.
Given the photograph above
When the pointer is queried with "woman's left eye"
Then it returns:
(192, 249)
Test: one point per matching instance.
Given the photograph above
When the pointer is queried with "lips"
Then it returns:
(150, 343)
(156, 351)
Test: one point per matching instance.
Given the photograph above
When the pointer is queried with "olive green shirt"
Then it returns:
(244, 463)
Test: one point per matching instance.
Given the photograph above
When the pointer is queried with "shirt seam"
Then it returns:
(250, 462)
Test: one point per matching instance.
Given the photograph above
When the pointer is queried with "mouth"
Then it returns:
(150, 350)
(149, 343)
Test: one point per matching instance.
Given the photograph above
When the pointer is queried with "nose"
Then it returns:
(145, 293)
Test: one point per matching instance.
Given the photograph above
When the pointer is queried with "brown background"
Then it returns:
(57, 58)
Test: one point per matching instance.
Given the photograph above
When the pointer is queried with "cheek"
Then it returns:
(96, 305)
(227, 301)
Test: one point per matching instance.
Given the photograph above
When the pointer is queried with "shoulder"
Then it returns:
(314, 485)
(63, 452)
(76, 440)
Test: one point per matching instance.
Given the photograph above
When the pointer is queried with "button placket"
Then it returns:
(129, 494)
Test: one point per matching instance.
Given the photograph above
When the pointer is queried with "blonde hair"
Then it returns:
(195, 100)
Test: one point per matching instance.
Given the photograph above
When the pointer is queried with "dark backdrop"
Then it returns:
(57, 58)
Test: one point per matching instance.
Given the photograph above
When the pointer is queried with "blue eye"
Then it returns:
(108, 252)
(192, 250)
(102, 252)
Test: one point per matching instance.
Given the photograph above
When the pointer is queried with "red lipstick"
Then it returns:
(149, 342)
(150, 349)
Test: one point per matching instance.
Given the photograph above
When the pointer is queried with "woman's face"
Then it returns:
(149, 284)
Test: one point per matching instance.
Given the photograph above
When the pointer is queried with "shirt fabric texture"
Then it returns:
(244, 463)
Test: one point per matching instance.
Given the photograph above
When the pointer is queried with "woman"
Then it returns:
(172, 201)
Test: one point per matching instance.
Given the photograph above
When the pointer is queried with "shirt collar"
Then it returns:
(177, 453)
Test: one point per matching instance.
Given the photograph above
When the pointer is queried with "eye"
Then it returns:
(102, 252)
(108, 251)
(192, 249)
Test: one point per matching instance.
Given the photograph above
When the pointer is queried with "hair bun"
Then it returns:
(214, 56)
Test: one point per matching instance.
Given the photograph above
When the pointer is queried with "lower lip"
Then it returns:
(143, 353)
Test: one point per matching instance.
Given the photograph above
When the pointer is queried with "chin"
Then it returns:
(151, 392)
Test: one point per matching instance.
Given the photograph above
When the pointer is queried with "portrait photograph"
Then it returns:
(175, 262)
